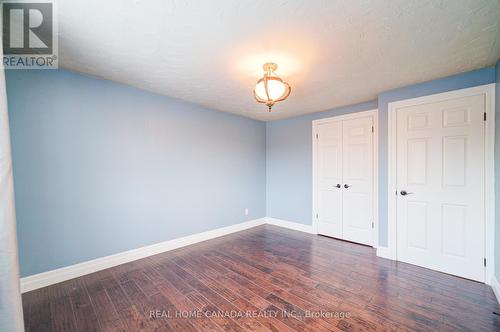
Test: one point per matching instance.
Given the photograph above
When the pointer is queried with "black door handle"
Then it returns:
(404, 193)
(346, 186)
(338, 185)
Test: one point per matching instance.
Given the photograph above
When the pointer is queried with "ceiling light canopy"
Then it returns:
(271, 89)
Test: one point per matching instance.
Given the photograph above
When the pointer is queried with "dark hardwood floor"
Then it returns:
(264, 279)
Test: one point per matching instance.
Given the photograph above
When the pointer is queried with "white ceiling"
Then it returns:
(332, 52)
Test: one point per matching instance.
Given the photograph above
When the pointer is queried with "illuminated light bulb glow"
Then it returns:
(271, 89)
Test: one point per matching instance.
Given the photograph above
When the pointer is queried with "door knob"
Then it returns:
(404, 193)
(338, 185)
(346, 186)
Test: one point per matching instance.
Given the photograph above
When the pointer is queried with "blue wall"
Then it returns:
(289, 152)
(98, 162)
(497, 170)
(101, 168)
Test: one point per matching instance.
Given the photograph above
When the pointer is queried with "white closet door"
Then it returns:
(344, 196)
(329, 179)
(440, 166)
(358, 180)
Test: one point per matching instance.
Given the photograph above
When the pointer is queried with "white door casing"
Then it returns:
(448, 165)
(344, 153)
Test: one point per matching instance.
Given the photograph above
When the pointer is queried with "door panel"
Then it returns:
(357, 142)
(417, 225)
(417, 161)
(329, 175)
(454, 161)
(454, 228)
(440, 162)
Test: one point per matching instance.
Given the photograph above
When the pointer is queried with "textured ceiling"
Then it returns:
(332, 52)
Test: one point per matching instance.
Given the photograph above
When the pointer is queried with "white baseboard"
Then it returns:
(496, 287)
(384, 252)
(290, 224)
(73, 271)
(43, 279)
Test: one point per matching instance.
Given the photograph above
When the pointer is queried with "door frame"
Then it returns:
(488, 90)
(349, 116)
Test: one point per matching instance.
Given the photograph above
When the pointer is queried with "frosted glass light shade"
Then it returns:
(276, 89)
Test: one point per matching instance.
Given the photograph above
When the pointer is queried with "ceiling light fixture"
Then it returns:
(271, 89)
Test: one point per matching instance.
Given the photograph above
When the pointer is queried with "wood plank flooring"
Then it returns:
(264, 279)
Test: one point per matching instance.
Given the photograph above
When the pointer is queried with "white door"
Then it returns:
(329, 185)
(357, 205)
(345, 179)
(440, 181)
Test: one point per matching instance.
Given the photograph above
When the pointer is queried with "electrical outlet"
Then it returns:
(246, 212)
